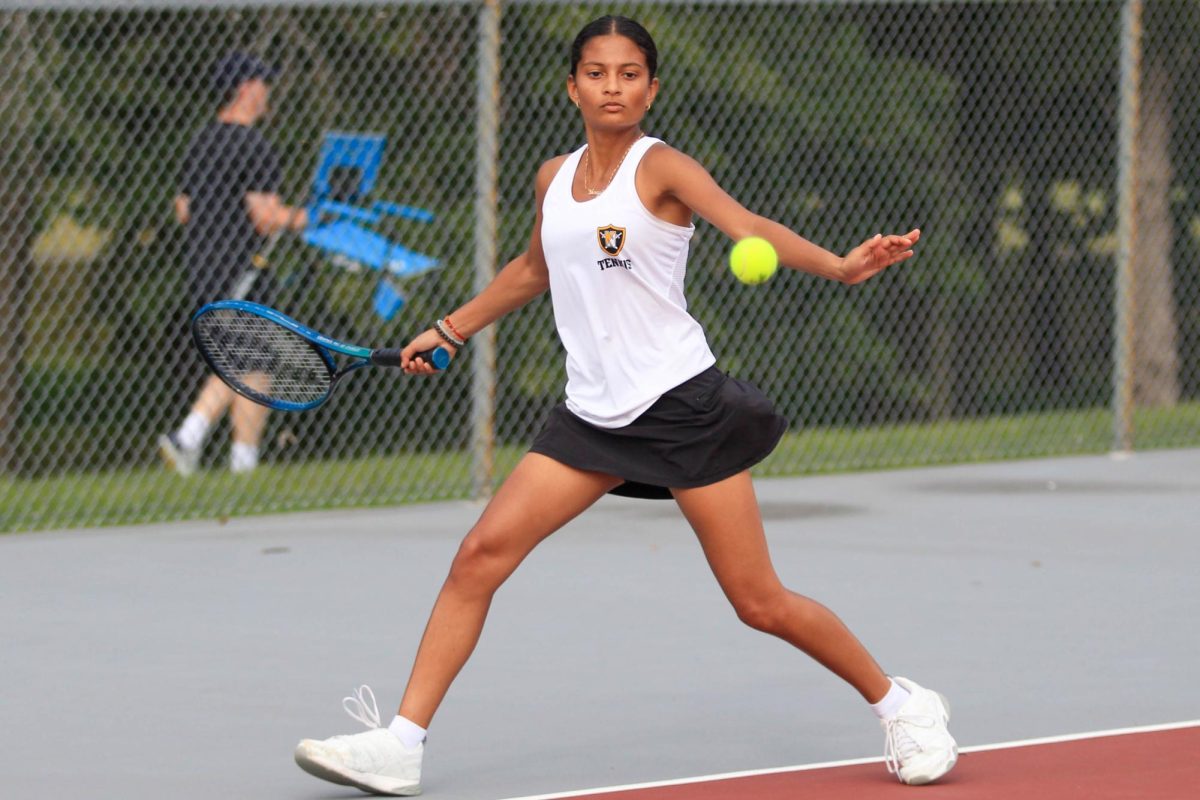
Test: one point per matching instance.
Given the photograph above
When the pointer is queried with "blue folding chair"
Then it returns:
(347, 169)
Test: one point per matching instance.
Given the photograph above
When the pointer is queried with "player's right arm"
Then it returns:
(521, 280)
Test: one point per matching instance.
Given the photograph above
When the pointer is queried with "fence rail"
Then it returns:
(1048, 151)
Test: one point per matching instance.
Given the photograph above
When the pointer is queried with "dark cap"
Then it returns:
(236, 68)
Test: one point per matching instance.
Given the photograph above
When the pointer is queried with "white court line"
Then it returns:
(1070, 737)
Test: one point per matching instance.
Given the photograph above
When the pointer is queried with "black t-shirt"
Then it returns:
(223, 163)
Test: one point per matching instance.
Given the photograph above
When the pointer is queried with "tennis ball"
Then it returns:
(753, 260)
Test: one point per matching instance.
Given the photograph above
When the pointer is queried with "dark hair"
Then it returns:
(609, 25)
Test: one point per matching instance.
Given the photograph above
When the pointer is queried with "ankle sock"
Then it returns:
(889, 706)
(243, 457)
(410, 734)
(193, 431)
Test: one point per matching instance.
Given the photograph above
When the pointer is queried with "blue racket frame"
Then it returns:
(266, 312)
(323, 345)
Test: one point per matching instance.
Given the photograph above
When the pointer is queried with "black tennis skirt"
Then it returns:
(704, 430)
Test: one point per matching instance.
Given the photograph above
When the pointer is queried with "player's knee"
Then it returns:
(479, 565)
(761, 611)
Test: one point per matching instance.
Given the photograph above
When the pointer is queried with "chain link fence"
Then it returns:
(1048, 151)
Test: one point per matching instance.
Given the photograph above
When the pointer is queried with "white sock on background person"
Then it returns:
(243, 457)
(408, 732)
(193, 431)
(889, 706)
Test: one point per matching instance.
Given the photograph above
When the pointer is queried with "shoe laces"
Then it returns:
(898, 745)
(363, 750)
(356, 706)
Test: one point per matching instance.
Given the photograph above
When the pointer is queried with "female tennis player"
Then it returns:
(646, 414)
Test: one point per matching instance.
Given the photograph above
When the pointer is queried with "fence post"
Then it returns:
(483, 345)
(1125, 294)
(18, 163)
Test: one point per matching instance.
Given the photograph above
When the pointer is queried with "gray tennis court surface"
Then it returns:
(184, 661)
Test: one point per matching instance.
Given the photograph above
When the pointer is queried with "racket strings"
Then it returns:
(263, 358)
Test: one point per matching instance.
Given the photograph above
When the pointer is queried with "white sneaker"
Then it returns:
(179, 458)
(374, 761)
(919, 749)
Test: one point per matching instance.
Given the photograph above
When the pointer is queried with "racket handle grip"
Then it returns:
(438, 357)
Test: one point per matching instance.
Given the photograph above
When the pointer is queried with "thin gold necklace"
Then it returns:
(587, 163)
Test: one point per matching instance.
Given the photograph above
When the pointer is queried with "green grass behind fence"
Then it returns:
(154, 495)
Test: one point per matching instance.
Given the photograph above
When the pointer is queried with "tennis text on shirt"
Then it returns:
(612, 241)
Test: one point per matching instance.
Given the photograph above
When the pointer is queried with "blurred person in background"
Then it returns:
(229, 204)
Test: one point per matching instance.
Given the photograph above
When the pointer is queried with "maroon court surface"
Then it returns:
(1146, 765)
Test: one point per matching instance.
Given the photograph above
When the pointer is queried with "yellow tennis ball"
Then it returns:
(753, 260)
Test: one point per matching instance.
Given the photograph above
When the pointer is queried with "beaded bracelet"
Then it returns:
(450, 338)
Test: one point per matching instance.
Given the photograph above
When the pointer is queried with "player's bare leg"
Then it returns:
(726, 519)
(539, 497)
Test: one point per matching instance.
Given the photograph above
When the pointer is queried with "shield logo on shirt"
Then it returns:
(611, 239)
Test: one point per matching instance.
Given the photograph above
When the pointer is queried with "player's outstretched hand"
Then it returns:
(426, 341)
(877, 254)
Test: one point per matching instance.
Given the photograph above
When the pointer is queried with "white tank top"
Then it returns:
(616, 283)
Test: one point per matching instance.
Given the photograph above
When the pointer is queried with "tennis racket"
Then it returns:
(275, 361)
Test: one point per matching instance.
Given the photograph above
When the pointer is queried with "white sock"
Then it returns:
(889, 706)
(193, 431)
(410, 734)
(243, 457)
